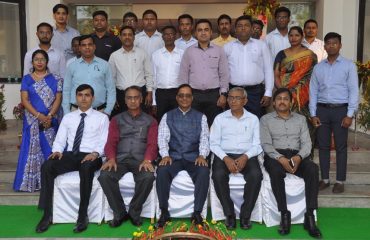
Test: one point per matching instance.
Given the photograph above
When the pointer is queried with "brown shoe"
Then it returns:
(323, 185)
(338, 188)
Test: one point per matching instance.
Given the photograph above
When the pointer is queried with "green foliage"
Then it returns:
(364, 108)
(2, 110)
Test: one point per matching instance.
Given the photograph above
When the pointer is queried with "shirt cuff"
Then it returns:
(350, 113)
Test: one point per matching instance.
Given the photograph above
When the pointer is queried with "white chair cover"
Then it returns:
(181, 201)
(236, 184)
(67, 199)
(127, 187)
(295, 195)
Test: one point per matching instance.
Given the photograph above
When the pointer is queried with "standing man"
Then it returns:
(257, 29)
(277, 40)
(131, 147)
(286, 142)
(105, 42)
(75, 44)
(224, 28)
(185, 22)
(83, 133)
(149, 39)
(130, 19)
(57, 63)
(131, 66)
(63, 34)
(334, 98)
(250, 66)
(91, 70)
(204, 66)
(183, 140)
(311, 42)
(166, 66)
(235, 141)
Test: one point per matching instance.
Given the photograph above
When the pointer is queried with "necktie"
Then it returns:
(79, 132)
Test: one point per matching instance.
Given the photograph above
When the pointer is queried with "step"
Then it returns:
(354, 196)
(9, 197)
(360, 156)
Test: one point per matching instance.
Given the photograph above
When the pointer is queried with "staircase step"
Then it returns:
(9, 197)
(354, 196)
(355, 157)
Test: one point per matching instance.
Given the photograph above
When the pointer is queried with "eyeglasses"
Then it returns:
(39, 59)
(132, 98)
(282, 17)
(184, 95)
(236, 98)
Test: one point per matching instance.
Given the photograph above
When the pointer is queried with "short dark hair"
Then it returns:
(244, 17)
(223, 16)
(150, 11)
(59, 5)
(309, 21)
(45, 24)
(44, 53)
(84, 37)
(332, 35)
(84, 87)
(297, 28)
(100, 12)
(183, 86)
(203, 20)
(127, 27)
(282, 9)
(169, 27)
(134, 87)
(77, 38)
(282, 90)
(258, 22)
(130, 14)
(184, 16)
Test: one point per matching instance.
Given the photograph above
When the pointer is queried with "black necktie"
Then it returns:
(79, 132)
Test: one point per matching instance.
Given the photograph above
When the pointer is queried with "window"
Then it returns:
(12, 39)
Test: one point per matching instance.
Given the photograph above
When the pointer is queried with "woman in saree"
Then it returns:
(41, 94)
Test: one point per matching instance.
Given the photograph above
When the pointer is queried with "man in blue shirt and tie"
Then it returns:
(334, 98)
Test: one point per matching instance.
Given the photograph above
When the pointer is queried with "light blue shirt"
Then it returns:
(238, 136)
(334, 83)
(63, 40)
(98, 75)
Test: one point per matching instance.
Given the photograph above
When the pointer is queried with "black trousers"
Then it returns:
(252, 175)
(255, 94)
(143, 185)
(206, 102)
(120, 100)
(166, 101)
(69, 162)
(198, 174)
(307, 170)
(331, 121)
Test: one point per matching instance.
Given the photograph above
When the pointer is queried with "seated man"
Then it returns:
(131, 147)
(183, 145)
(84, 132)
(287, 145)
(235, 141)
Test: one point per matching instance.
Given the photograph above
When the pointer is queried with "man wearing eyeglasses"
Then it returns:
(131, 147)
(235, 141)
(183, 140)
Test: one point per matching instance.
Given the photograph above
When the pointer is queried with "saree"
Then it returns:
(36, 142)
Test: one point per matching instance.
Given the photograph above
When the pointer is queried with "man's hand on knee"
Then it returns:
(147, 166)
(201, 161)
(109, 165)
(165, 161)
(55, 155)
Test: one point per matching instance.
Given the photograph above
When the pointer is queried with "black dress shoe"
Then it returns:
(196, 218)
(44, 224)
(284, 228)
(163, 219)
(310, 226)
(81, 225)
(136, 221)
(245, 223)
(116, 222)
(230, 222)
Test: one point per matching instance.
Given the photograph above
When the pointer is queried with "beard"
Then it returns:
(45, 41)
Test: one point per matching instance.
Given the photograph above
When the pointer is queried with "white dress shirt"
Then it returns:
(317, 46)
(56, 64)
(131, 68)
(238, 136)
(250, 64)
(149, 44)
(276, 42)
(94, 136)
(183, 44)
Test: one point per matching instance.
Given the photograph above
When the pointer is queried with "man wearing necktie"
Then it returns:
(78, 146)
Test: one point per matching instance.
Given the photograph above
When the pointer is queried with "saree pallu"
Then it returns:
(36, 142)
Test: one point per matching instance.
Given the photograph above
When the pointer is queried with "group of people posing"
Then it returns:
(210, 99)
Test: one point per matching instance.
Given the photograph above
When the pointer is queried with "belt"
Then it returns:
(332, 105)
(166, 89)
(104, 105)
(249, 87)
(206, 90)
